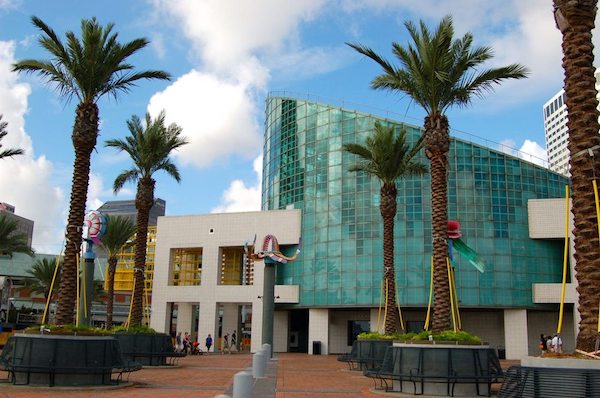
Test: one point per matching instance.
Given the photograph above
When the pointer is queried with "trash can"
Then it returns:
(316, 348)
(501, 352)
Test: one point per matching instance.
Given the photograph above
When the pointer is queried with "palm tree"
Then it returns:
(119, 231)
(11, 240)
(7, 152)
(575, 20)
(41, 275)
(387, 156)
(439, 72)
(149, 147)
(86, 68)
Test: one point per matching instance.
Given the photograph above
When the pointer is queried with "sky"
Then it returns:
(226, 57)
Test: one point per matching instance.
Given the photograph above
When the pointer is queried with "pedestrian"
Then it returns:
(209, 342)
(187, 346)
(543, 343)
(557, 343)
(549, 343)
(233, 341)
(226, 344)
(178, 342)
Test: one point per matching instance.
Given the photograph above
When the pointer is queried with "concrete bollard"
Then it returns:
(242, 385)
(259, 364)
(267, 349)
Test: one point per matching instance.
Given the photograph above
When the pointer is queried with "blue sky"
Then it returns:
(225, 56)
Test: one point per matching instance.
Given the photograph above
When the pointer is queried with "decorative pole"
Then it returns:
(94, 228)
(271, 258)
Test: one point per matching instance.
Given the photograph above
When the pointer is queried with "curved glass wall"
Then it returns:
(341, 263)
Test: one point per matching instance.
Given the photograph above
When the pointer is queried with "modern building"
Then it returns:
(24, 225)
(556, 131)
(334, 288)
(127, 208)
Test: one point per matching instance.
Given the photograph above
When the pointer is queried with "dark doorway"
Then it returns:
(298, 334)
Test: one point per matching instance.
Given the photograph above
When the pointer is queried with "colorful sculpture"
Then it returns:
(271, 252)
(454, 242)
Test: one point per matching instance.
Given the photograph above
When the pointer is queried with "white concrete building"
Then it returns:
(199, 266)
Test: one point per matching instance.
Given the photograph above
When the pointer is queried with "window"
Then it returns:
(355, 328)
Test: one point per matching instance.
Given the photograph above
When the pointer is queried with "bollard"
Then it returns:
(259, 364)
(242, 385)
(267, 349)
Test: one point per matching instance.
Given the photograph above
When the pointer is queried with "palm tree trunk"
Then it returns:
(388, 209)
(437, 145)
(112, 266)
(85, 133)
(575, 19)
(143, 202)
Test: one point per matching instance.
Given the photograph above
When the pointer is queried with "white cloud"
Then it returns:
(238, 197)
(29, 178)
(218, 117)
(228, 34)
(529, 150)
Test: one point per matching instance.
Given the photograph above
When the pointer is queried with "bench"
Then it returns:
(419, 365)
(526, 382)
(149, 349)
(350, 357)
(64, 360)
(457, 366)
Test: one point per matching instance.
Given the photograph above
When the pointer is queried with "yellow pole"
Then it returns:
(427, 318)
(77, 297)
(399, 310)
(51, 286)
(451, 295)
(458, 320)
(597, 205)
(379, 326)
(565, 261)
(131, 302)
(598, 222)
(84, 288)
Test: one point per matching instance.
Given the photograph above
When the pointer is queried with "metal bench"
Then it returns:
(525, 382)
(64, 360)
(350, 357)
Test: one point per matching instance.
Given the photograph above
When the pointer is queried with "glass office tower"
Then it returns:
(341, 263)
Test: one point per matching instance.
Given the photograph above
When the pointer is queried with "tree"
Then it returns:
(439, 72)
(41, 275)
(11, 240)
(387, 156)
(87, 68)
(7, 152)
(575, 20)
(149, 147)
(118, 235)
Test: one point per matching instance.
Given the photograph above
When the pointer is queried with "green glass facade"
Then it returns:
(341, 262)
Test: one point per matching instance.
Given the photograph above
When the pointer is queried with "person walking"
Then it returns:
(557, 343)
(226, 344)
(233, 342)
(543, 343)
(178, 343)
(209, 342)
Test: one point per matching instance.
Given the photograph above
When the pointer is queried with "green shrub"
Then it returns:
(446, 335)
(133, 329)
(72, 329)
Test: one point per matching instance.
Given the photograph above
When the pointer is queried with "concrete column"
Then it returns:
(184, 318)
(515, 334)
(374, 316)
(207, 323)
(159, 316)
(318, 329)
(280, 331)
